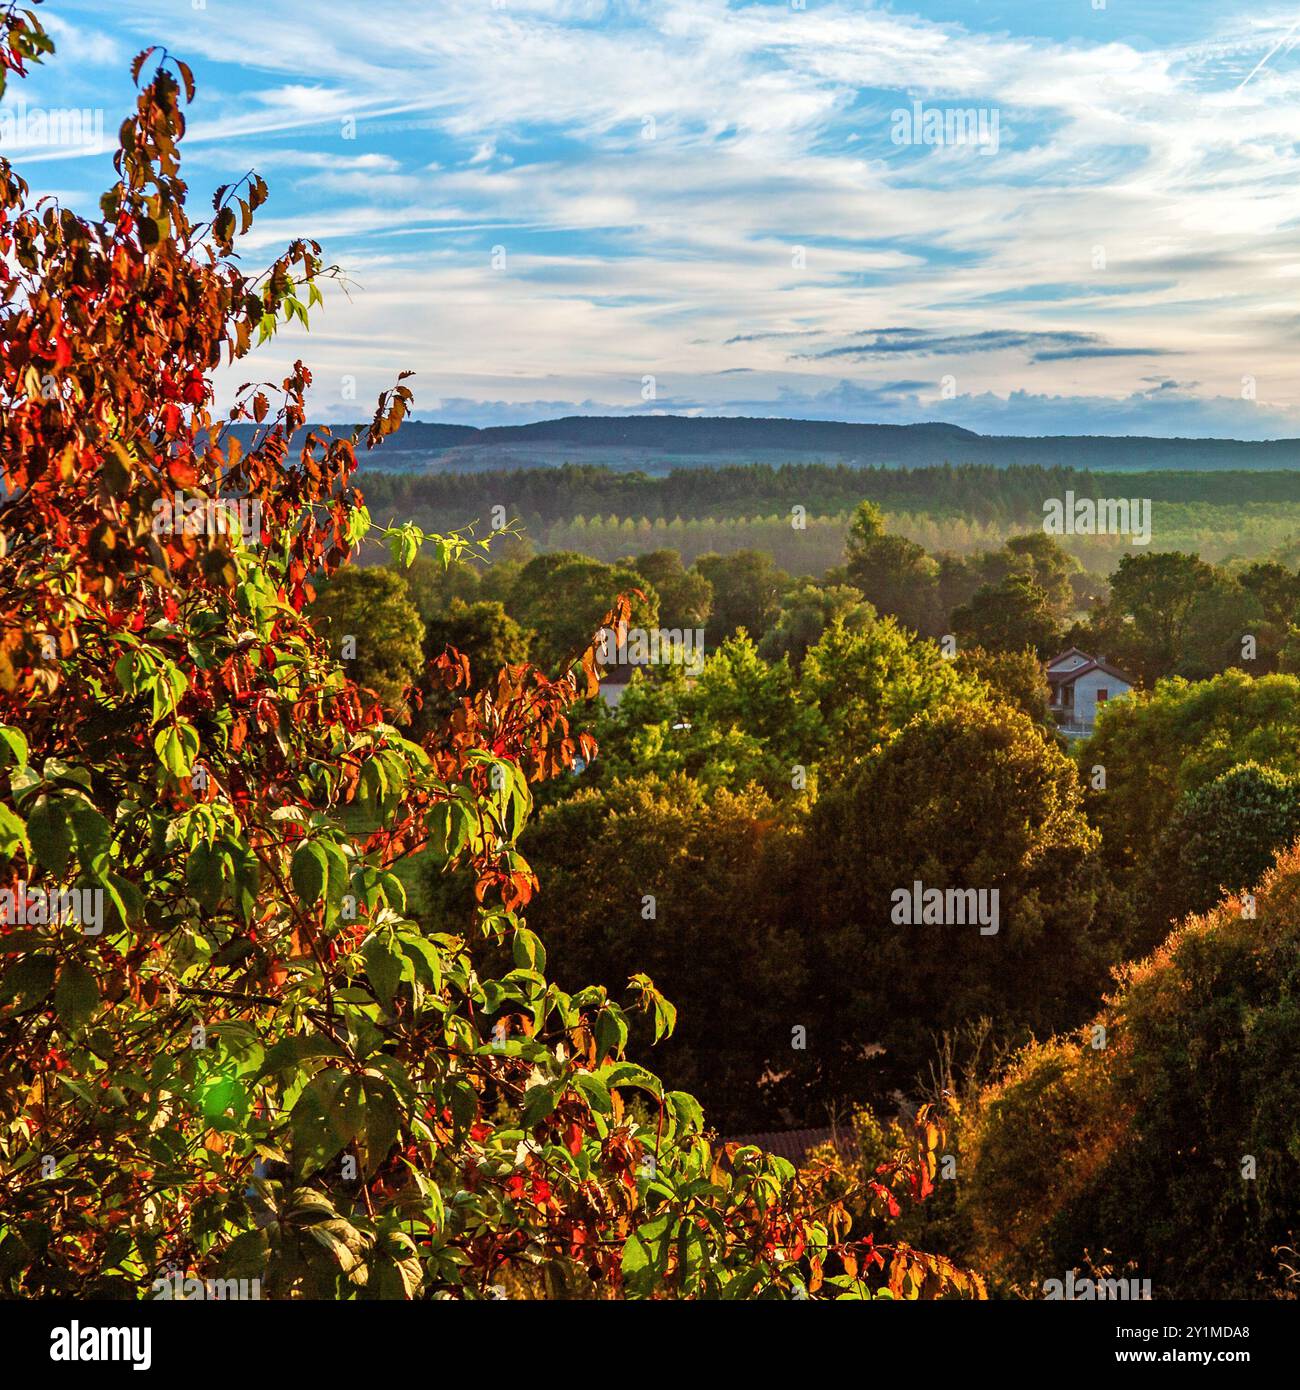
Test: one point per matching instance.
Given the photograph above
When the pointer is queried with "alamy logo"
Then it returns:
(77, 1343)
(23, 906)
(62, 127)
(208, 516)
(1098, 516)
(655, 646)
(946, 907)
(178, 1287)
(948, 125)
(1084, 1290)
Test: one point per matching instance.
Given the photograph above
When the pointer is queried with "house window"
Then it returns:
(1102, 693)
(1067, 697)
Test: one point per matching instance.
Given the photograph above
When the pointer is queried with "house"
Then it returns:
(796, 1144)
(1078, 684)
(612, 692)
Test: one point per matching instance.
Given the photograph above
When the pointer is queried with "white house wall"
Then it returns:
(1085, 694)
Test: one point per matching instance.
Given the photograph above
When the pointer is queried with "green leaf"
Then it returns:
(76, 995)
(51, 835)
(611, 1031)
(203, 875)
(28, 982)
(219, 1094)
(13, 747)
(743, 1284)
(463, 1099)
(328, 1116)
(529, 953)
(177, 746)
(647, 1246)
(337, 874)
(13, 835)
(636, 1256)
(539, 1102)
(382, 1119)
(124, 671)
(292, 1052)
(394, 891)
(166, 688)
(630, 1074)
(687, 1112)
(309, 871)
(94, 838)
(425, 958)
(665, 1013)
(595, 1090)
(127, 899)
(384, 967)
(245, 1257)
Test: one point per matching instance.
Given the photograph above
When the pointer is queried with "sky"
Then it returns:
(1019, 216)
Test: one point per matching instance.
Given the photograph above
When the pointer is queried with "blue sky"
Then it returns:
(1027, 218)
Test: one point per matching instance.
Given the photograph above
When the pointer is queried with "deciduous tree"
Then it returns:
(238, 1056)
(1158, 1141)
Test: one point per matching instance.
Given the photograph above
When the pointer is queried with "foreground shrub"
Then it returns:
(1162, 1142)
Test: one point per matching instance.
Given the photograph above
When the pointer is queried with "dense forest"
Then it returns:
(744, 827)
(799, 513)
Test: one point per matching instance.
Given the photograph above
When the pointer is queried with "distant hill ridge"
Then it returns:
(655, 442)
(706, 433)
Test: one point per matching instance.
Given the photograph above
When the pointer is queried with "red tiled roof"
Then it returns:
(795, 1144)
(1069, 677)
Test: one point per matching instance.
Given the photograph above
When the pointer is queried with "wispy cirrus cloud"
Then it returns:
(1061, 346)
(562, 200)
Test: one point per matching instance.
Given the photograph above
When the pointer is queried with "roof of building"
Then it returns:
(795, 1144)
(1066, 655)
(1093, 664)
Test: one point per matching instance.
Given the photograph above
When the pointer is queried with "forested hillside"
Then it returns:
(657, 442)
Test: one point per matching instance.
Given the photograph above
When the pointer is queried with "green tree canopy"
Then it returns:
(893, 573)
(808, 608)
(747, 589)
(739, 721)
(867, 684)
(1223, 836)
(1016, 678)
(433, 589)
(685, 596)
(1008, 617)
(685, 895)
(964, 797)
(1155, 749)
(370, 624)
(1159, 1142)
(562, 595)
(1151, 612)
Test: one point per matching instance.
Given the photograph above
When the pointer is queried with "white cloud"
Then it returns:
(1140, 193)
